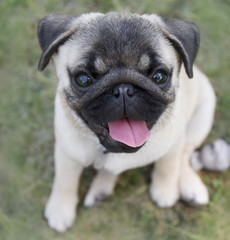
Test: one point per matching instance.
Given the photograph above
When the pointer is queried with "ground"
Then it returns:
(26, 132)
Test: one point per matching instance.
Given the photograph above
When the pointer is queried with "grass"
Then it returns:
(26, 135)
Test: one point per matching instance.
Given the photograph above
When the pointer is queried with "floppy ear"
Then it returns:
(185, 38)
(53, 31)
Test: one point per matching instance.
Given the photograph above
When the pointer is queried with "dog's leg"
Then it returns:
(192, 190)
(101, 188)
(164, 189)
(60, 210)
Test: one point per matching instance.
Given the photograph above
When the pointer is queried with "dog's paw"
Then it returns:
(92, 200)
(60, 214)
(193, 191)
(97, 194)
(100, 189)
(164, 196)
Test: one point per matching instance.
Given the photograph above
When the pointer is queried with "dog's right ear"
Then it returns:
(53, 31)
(185, 37)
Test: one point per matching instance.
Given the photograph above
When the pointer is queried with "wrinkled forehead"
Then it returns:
(117, 40)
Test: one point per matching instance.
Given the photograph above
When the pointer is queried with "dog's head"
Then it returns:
(119, 72)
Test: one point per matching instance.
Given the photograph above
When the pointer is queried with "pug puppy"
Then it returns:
(124, 100)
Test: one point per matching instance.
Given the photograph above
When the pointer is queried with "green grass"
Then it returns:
(26, 135)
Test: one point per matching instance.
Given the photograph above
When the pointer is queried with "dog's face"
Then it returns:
(118, 72)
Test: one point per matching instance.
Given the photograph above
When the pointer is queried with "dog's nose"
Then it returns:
(124, 90)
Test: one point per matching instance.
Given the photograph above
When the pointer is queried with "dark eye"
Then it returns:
(160, 78)
(82, 80)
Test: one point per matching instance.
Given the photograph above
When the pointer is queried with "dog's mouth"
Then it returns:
(130, 132)
(133, 133)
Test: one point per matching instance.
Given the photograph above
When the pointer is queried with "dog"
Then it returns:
(128, 95)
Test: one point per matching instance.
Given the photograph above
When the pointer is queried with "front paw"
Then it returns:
(164, 196)
(60, 213)
(192, 190)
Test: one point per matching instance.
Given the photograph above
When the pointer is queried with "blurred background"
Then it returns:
(26, 131)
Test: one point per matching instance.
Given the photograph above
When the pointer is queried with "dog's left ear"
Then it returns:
(53, 31)
(185, 38)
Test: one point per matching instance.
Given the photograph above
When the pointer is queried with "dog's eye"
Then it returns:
(83, 80)
(160, 78)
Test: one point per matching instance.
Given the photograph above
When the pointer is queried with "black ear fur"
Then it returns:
(53, 31)
(185, 37)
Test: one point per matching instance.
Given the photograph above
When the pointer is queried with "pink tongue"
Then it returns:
(131, 132)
